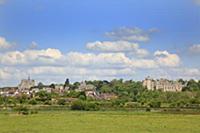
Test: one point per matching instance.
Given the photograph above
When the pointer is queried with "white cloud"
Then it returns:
(197, 2)
(117, 46)
(130, 34)
(114, 59)
(108, 60)
(143, 63)
(183, 72)
(80, 71)
(2, 2)
(97, 60)
(4, 74)
(4, 44)
(195, 49)
(30, 57)
(164, 58)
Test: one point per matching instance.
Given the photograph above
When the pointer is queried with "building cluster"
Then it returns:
(28, 87)
(163, 85)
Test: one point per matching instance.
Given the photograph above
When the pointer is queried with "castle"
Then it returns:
(26, 84)
(162, 84)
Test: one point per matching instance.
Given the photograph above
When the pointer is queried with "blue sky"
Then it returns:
(68, 26)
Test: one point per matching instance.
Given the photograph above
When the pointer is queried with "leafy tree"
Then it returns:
(66, 83)
(52, 86)
(33, 102)
(40, 85)
(43, 96)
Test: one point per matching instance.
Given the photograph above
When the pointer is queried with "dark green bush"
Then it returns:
(148, 109)
(77, 105)
(23, 110)
(32, 102)
(83, 105)
(34, 112)
(61, 102)
(155, 104)
(91, 106)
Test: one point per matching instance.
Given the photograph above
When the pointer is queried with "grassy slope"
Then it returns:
(99, 122)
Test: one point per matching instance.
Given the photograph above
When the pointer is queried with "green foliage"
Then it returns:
(32, 102)
(40, 85)
(61, 102)
(23, 99)
(148, 109)
(155, 104)
(77, 105)
(192, 85)
(22, 110)
(43, 96)
(130, 94)
(83, 105)
(34, 112)
(66, 83)
(91, 106)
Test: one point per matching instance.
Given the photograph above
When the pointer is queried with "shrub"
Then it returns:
(34, 112)
(82, 97)
(77, 105)
(87, 106)
(33, 102)
(131, 105)
(155, 104)
(148, 109)
(91, 106)
(61, 102)
(47, 103)
(23, 110)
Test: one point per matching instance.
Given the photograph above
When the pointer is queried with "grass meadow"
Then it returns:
(99, 122)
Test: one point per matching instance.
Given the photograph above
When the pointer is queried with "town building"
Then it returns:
(26, 84)
(89, 89)
(162, 84)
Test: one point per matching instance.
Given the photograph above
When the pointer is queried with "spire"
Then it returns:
(29, 77)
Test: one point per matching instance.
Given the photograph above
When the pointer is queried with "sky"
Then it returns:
(98, 40)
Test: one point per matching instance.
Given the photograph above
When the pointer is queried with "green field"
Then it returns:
(99, 122)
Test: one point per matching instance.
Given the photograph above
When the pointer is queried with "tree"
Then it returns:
(44, 96)
(40, 85)
(192, 85)
(66, 83)
(52, 86)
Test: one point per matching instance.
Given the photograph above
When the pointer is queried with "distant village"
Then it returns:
(29, 87)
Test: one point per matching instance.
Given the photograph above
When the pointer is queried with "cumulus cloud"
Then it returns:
(30, 57)
(130, 34)
(80, 71)
(4, 44)
(195, 49)
(108, 60)
(2, 2)
(164, 58)
(4, 74)
(183, 72)
(117, 46)
(197, 2)
(102, 60)
(113, 60)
